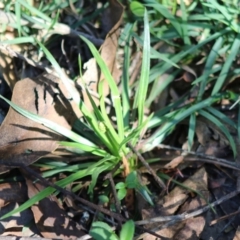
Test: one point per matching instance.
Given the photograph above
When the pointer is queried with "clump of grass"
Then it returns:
(203, 32)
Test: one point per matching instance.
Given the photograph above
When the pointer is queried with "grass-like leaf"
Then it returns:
(222, 128)
(113, 86)
(227, 65)
(139, 101)
(209, 64)
(191, 130)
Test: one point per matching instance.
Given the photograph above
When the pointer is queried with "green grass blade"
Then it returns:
(74, 94)
(222, 128)
(159, 70)
(79, 147)
(18, 18)
(166, 13)
(209, 64)
(191, 130)
(125, 79)
(139, 101)
(184, 16)
(221, 116)
(34, 11)
(175, 118)
(113, 86)
(19, 40)
(227, 65)
(50, 124)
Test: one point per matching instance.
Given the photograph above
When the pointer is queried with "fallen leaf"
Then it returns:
(50, 218)
(191, 230)
(111, 21)
(197, 182)
(14, 225)
(237, 234)
(12, 192)
(174, 163)
(23, 140)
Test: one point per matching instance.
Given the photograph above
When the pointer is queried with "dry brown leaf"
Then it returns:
(166, 233)
(16, 222)
(171, 203)
(178, 195)
(12, 192)
(111, 20)
(50, 218)
(191, 230)
(174, 163)
(237, 234)
(23, 140)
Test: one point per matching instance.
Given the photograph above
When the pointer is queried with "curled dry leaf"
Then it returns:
(197, 182)
(174, 200)
(50, 218)
(237, 234)
(23, 140)
(174, 163)
(12, 192)
(15, 224)
(111, 21)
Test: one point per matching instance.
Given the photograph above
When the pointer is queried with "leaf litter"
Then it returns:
(191, 185)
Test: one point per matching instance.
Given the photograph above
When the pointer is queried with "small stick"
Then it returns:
(198, 154)
(177, 218)
(64, 191)
(157, 179)
(109, 176)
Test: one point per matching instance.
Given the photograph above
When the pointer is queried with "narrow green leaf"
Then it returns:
(50, 124)
(18, 18)
(208, 66)
(227, 65)
(74, 94)
(34, 11)
(139, 101)
(191, 130)
(137, 8)
(125, 79)
(113, 86)
(222, 128)
(184, 25)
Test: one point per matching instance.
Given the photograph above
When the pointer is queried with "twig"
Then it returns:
(177, 218)
(225, 217)
(226, 164)
(109, 176)
(157, 179)
(33, 173)
(66, 192)
(218, 160)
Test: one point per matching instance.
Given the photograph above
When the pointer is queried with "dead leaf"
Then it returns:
(174, 163)
(12, 192)
(176, 199)
(237, 234)
(23, 140)
(178, 195)
(112, 20)
(191, 230)
(50, 218)
(14, 225)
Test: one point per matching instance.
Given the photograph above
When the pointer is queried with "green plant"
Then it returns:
(205, 32)
(114, 141)
(102, 231)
